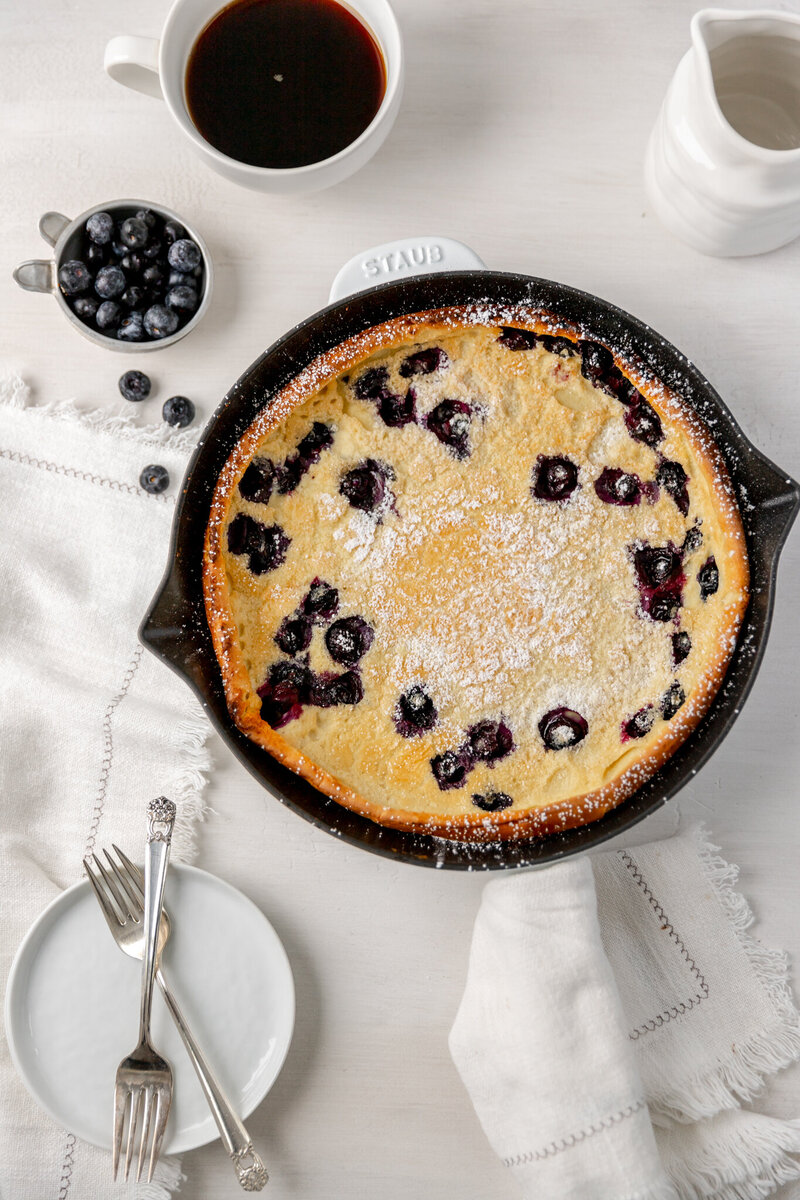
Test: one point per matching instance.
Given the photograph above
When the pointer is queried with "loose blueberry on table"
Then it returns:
(154, 479)
(134, 385)
(178, 411)
(126, 262)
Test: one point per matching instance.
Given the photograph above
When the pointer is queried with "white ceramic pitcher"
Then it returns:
(723, 163)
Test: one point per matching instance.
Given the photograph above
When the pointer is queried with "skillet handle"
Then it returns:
(398, 260)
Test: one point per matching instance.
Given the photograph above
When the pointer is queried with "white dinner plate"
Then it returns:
(72, 1007)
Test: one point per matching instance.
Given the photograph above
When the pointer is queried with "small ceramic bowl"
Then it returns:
(66, 238)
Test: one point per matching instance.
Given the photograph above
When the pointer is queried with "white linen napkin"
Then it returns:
(93, 725)
(616, 1015)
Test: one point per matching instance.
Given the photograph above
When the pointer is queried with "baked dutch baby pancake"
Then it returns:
(474, 579)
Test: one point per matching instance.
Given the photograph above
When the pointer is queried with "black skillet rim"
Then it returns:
(175, 627)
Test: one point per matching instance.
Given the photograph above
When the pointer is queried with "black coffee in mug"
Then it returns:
(284, 83)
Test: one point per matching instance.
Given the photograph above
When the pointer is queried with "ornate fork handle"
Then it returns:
(160, 821)
(250, 1170)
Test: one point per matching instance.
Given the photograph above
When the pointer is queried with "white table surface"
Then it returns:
(522, 133)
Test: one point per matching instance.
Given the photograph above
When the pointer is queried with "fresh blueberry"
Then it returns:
(372, 384)
(681, 645)
(160, 322)
(364, 487)
(108, 315)
(184, 255)
(150, 219)
(285, 691)
(173, 232)
(424, 362)
(243, 534)
(96, 256)
(180, 279)
(693, 541)
(74, 277)
(640, 724)
(153, 277)
(134, 385)
(85, 307)
(131, 263)
(415, 712)
(672, 700)
(562, 727)
(672, 477)
(395, 411)
(131, 328)
(256, 483)
(100, 227)
(328, 690)
(153, 250)
(489, 741)
(492, 801)
(708, 577)
(110, 282)
(644, 424)
(517, 339)
(321, 601)
(348, 640)
(294, 634)
(182, 299)
(554, 478)
(133, 233)
(154, 479)
(615, 486)
(178, 411)
(450, 422)
(657, 565)
(450, 769)
(132, 297)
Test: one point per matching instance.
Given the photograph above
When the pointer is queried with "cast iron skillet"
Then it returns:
(175, 627)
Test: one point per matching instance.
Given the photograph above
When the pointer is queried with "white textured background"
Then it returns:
(522, 133)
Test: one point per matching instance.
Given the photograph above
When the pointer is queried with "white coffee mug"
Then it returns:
(157, 67)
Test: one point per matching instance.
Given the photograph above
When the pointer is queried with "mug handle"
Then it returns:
(133, 62)
(395, 260)
(35, 275)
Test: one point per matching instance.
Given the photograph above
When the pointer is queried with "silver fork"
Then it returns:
(121, 878)
(143, 1085)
